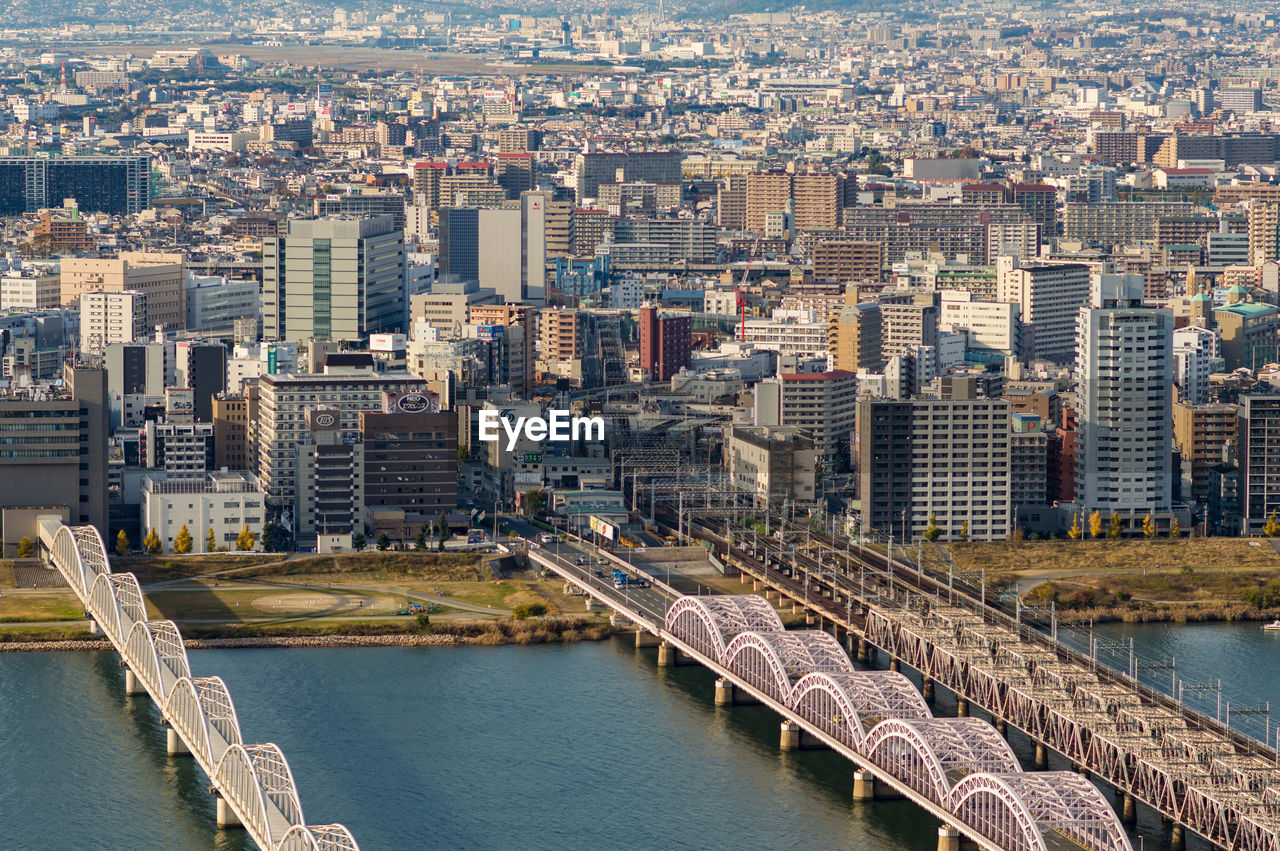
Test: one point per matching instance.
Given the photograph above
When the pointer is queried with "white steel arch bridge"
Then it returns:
(253, 781)
(959, 769)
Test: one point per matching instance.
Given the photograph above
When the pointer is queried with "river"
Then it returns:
(554, 746)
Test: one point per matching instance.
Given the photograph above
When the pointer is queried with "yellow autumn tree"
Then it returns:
(151, 543)
(1148, 527)
(182, 543)
(1095, 524)
(122, 544)
(1175, 531)
(246, 539)
(1075, 531)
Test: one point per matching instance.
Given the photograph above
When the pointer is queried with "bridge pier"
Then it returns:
(646, 639)
(864, 651)
(926, 689)
(724, 692)
(1042, 757)
(895, 665)
(132, 685)
(1177, 838)
(594, 605)
(864, 786)
(226, 815)
(173, 744)
(94, 629)
(666, 655)
(1128, 809)
(789, 739)
(948, 838)
(1001, 727)
(962, 708)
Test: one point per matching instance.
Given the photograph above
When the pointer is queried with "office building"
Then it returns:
(503, 249)
(30, 289)
(593, 168)
(178, 444)
(214, 302)
(410, 461)
(1247, 330)
(328, 478)
(202, 369)
(989, 327)
(160, 277)
(54, 456)
(230, 432)
(775, 464)
(225, 502)
(334, 279)
(1200, 433)
(845, 260)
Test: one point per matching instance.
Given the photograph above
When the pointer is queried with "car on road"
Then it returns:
(582, 559)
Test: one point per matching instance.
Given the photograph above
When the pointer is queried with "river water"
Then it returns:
(557, 746)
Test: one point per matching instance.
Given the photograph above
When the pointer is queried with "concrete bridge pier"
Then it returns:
(948, 838)
(594, 605)
(1001, 727)
(666, 655)
(644, 638)
(895, 665)
(962, 708)
(790, 736)
(1042, 757)
(926, 688)
(226, 816)
(173, 745)
(1128, 809)
(808, 618)
(94, 629)
(1177, 838)
(724, 692)
(864, 651)
(132, 685)
(867, 788)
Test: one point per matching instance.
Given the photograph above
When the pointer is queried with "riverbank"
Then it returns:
(456, 634)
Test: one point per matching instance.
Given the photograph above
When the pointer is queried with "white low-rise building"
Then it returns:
(225, 502)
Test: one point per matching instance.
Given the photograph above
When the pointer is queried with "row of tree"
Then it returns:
(183, 542)
(1115, 527)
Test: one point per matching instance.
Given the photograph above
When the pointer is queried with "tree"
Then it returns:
(1175, 531)
(535, 500)
(1095, 525)
(931, 532)
(151, 543)
(211, 541)
(245, 540)
(1148, 527)
(26, 548)
(1272, 528)
(182, 543)
(420, 543)
(442, 530)
(384, 543)
(964, 532)
(122, 544)
(358, 542)
(1115, 528)
(1075, 532)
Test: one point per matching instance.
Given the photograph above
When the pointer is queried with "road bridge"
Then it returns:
(960, 770)
(252, 782)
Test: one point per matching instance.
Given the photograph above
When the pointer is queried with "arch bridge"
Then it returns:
(252, 783)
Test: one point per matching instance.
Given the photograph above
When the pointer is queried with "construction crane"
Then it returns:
(739, 295)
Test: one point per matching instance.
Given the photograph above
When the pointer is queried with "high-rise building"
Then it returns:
(335, 279)
(1049, 297)
(816, 196)
(115, 185)
(909, 326)
(178, 444)
(847, 260)
(201, 368)
(1240, 99)
(1264, 231)
(230, 432)
(1124, 367)
(731, 203)
(410, 461)
(1194, 350)
(160, 277)
(767, 192)
(821, 404)
(855, 336)
(592, 169)
(665, 346)
(1259, 459)
(504, 249)
(111, 317)
(1200, 432)
(426, 183)
(514, 173)
(54, 458)
(943, 458)
(328, 478)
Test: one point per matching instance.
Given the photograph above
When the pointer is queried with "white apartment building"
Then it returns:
(800, 332)
(1049, 297)
(1124, 366)
(820, 404)
(225, 502)
(111, 317)
(1194, 350)
(30, 289)
(989, 326)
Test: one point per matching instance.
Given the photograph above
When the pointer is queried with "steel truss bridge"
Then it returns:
(961, 770)
(1188, 767)
(253, 783)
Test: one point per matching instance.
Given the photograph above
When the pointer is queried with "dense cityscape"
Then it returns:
(536, 294)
